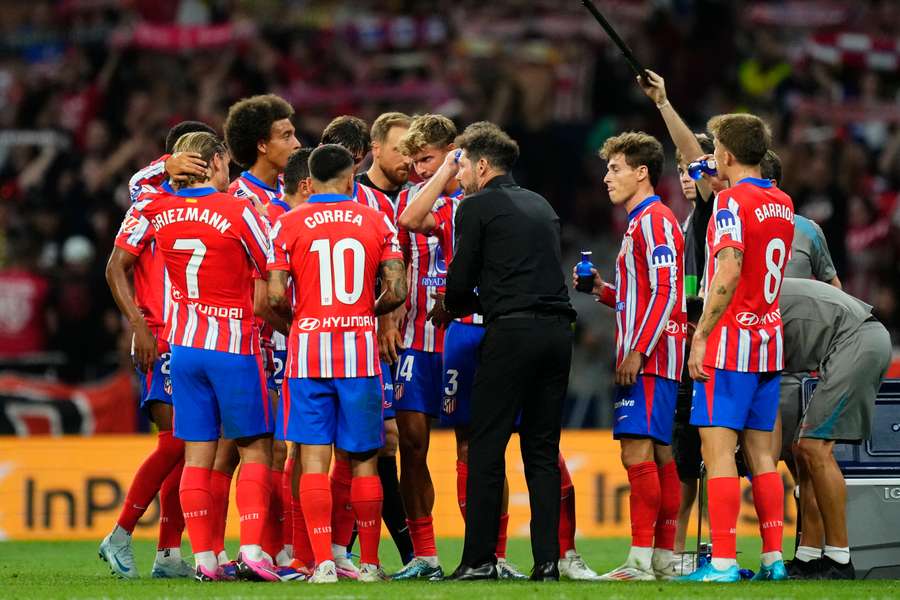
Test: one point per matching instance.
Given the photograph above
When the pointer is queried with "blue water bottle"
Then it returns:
(585, 281)
(698, 167)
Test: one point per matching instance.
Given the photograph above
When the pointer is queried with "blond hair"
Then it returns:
(427, 130)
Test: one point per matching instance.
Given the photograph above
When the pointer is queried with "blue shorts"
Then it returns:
(737, 400)
(387, 386)
(279, 359)
(645, 409)
(156, 386)
(461, 345)
(218, 392)
(343, 412)
(419, 381)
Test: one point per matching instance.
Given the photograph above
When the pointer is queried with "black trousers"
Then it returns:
(523, 366)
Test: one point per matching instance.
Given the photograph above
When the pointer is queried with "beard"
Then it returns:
(397, 177)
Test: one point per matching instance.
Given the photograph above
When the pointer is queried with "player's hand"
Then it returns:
(438, 314)
(390, 342)
(145, 352)
(716, 184)
(695, 361)
(181, 165)
(451, 163)
(653, 86)
(628, 371)
(261, 209)
(598, 281)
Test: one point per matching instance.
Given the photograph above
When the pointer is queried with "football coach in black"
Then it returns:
(507, 248)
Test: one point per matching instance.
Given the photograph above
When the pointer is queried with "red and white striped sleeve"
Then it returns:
(661, 261)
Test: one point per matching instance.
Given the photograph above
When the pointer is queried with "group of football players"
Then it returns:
(285, 329)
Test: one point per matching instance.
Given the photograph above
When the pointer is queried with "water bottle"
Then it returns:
(707, 165)
(583, 271)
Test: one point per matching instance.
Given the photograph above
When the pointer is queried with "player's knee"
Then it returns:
(813, 451)
(636, 451)
(413, 448)
(391, 442)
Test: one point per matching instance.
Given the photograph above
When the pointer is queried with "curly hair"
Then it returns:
(427, 130)
(639, 149)
(249, 122)
(350, 132)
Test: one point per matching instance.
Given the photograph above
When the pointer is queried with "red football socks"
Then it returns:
(252, 494)
(272, 542)
(366, 496)
(171, 521)
(341, 509)
(462, 476)
(502, 536)
(566, 509)
(724, 507)
(644, 501)
(669, 502)
(421, 531)
(220, 490)
(768, 498)
(196, 502)
(315, 498)
(287, 525)
(149, 478)
(300, 537)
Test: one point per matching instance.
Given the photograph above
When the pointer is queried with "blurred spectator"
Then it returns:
(24, 306)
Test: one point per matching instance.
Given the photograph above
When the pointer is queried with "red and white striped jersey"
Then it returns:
(149, 179)
(247, 185)
(756, 218)
(152, 290)
(375, 199)
(427, 275)
(649, 291)
(211, 244)
(444, 216)
(332, 247)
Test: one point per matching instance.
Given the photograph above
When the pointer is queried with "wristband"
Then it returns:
(663, 105)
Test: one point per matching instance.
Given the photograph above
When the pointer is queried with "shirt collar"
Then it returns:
(167, 187)
(281, 203)
(323, 198)
(257, 181)
(644, 204)
(758, 182)
(504, 179)
(196, 192)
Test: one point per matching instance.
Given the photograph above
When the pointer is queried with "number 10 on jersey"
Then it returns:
(333, 269)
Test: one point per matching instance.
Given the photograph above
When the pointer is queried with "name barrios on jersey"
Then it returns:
(773, 210)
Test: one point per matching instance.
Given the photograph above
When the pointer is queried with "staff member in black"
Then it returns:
(507, 246)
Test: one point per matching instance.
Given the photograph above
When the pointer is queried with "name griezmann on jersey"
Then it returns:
(191, 213)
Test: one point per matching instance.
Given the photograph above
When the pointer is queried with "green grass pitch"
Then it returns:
(45, 570)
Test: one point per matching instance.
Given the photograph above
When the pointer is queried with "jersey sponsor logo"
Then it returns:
(348, 322)
(129, 224)
(620, 306)
(623, 403)
(662, 256)
(726, 221)
(308, 324)
(672, 327)
(747, 319)
(440, 264)
(433, 281)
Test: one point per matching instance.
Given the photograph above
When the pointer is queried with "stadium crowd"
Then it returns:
(88, 89)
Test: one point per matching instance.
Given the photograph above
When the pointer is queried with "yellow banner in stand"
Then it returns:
(73, 487)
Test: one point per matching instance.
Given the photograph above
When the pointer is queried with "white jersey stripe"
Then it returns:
(212, 334)
(743, 350)
(370, 354)
(303, 354)
(763, 350)
(779, 349)
(723, 348)
(350, 354)
(234, 337)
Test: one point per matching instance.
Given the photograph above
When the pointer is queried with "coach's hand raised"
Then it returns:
(654, 87)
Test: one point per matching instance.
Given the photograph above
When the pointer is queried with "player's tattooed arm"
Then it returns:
(721, 289)
(277, 292)
(117, 269)
(393, 286)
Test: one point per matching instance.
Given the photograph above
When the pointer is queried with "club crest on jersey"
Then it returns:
(662, 256)
(308, 324)
(167, 385)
